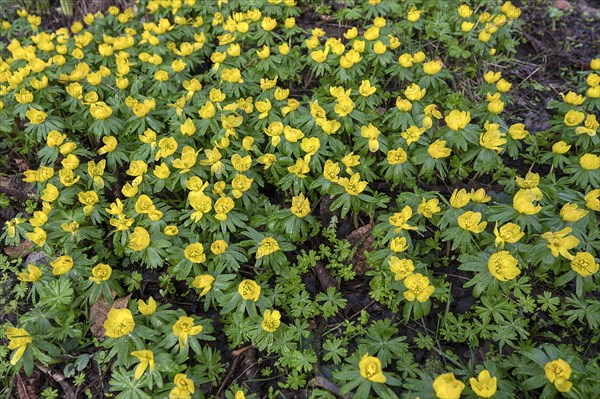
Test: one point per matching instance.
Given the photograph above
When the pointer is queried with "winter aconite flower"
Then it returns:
(484, 385)
(446, 386)
(267, 246)
(203, 282)
(146, 358)
(428, 208)
(61, 265)
(584, 264)
(139, 239)
(470, 221)
(370, 369)
(183, 328)
(19, 339)
(249, 290)
(558, 372)
(271, 320)
(503, 266)
(147, 308)
(572, 213)
(401, 267)
(400, 219)
(457, 120)
(184, 387)
(418, 288)
(195, 253)
(300, 206)
(508, 233)
(560, 243)
(118, 323)
(32, 274)
(101, 272)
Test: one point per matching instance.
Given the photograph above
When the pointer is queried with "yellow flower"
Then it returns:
(400, 219)
(530, 181)
(218, 247)
(203, 282)
(366, 89)
(137, 168)
(432, 67)
(372, 133)
(88, 199)
(370, 369)
(401, 267)
(232, 75)
(249, 290)
(484, 385)
(42, 174)
(147, 309)
(240, 185)
(397, 156)
(509, 232)
(558, 372)
(38, 236)
(187, 128)
(413, 14)
(503, 266)
(492, 139)
(271, 320)
(222, 207)
(19, 339)
(32, 274)
(267, 246)
(55, 139)
(470, 221)
(241, 164)
(464, 11)
(560, 243)
(572, 98)
(268, 24)
(589, 161)
(592, 200)
(398, 244)
(503, 86)
(406, 60)
(573, 118)
(110, 144)
(414, 92)
(571, 213)
(61, 265)
(584, 264)
(457, 120)
(239, 395)
(118, 323)
(100, 110)
(101, 272)
(183, 328)
(146, 358)
(560, 147)
(36, 117)
(184, 387)
(353, 185)
(428, 208)
(523, 201)
(590, 126)
(139, 239)
(446, 386)
(300, 168)
(310, 145)
(331, 171)
(300, 206)
(195, 253)
(438, 149)
(418, 288)
(459, 198)
(412, 134)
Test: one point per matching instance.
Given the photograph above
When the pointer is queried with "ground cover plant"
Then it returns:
(229, 204)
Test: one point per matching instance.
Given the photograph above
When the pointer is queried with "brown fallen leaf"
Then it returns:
(20, 250)
(326, 279)
(69, 392)
(362, 239)
(26, 387)
(99, 312)
(563, 5)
